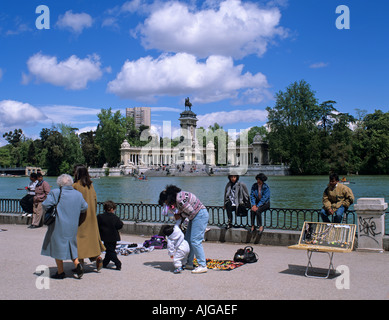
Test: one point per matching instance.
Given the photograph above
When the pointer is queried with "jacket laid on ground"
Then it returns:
(340, 196)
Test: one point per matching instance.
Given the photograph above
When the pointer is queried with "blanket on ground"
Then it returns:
(216, 264)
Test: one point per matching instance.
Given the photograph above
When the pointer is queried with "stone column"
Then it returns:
(371, 223)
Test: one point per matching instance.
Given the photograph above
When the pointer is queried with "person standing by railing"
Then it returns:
(42, 189)
(189, 206)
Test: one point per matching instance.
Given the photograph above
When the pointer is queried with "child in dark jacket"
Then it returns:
(109, 224)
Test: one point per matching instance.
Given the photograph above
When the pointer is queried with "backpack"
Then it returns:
(158, 242)
(246, 255)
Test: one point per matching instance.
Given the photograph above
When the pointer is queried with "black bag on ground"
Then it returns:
(246, 255)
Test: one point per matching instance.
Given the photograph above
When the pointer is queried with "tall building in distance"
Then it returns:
(141, 115)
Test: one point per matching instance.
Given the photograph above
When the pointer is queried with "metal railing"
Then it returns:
(273, 218)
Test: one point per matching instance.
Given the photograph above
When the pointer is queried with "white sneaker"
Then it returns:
(200, 269)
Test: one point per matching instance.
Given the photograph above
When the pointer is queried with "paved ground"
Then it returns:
(279, 274)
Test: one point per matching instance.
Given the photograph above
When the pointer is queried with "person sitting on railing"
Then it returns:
(260, 201)
(236, 198)
(336, 200)
(27, 202)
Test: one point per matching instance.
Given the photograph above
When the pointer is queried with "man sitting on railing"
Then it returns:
(336, 200)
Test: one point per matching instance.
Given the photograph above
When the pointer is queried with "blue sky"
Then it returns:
(230, 57)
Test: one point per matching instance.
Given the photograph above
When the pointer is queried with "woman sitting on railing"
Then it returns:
(236, 198)
(260, 201)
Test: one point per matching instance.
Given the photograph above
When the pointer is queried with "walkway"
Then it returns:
(279, 274)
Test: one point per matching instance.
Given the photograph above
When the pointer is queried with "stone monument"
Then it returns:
(371, 223)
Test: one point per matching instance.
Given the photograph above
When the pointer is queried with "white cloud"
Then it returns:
(319, 65)
(110, 22)
(86, 129)
(165, 109)
(76, 22)
(70, 114)
(229, 28)
(182, 74)
(132, 6)
(230, 117)
(73, 73)
(15, 114)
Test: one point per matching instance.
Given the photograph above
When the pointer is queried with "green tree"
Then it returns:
(31, 155)
(90, 149)
(340, 145)
(110, 134)
(72, 145)
(253, 131)
(55, 151)
(5, 156)
(15, 137)
(293, 128)
(373, 148)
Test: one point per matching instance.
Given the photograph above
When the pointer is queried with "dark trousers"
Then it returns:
(27, 203)
(258, 214)
(110, 254)
(229, 209)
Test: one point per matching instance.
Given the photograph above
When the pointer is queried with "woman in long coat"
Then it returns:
(60, 241)
(88, 236)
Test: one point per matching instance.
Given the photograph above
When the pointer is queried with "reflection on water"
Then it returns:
(298, 192)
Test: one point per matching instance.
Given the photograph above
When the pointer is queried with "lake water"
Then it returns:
(297, 192)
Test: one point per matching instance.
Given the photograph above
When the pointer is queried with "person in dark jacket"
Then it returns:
(109, 224)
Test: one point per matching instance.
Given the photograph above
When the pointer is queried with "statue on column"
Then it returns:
(188, 104)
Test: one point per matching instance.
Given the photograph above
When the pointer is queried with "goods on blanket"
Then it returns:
(158, 242)
(126, 249)
(216, 264)
(246, 255)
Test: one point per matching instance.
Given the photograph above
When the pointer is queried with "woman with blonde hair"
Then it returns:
(88, 236)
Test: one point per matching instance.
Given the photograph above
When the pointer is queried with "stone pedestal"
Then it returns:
(371, 223)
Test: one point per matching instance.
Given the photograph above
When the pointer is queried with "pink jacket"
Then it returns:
(188, 204)
(42, 189)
